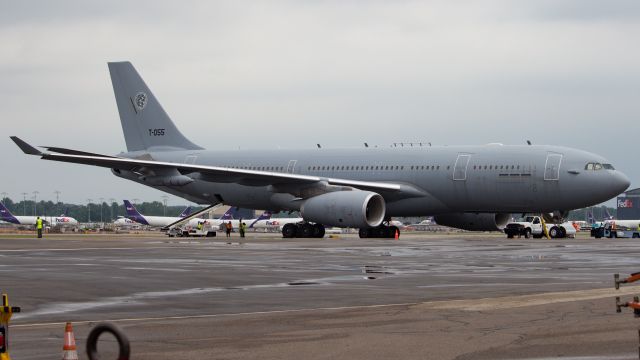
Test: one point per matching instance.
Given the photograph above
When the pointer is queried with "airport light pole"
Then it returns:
(101, 203)
(164, 201)
(35, 202)
(89, 209)
(111, 200)
(24, 203)
(57, 192)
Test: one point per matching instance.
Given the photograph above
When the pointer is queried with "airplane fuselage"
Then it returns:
(488, 178)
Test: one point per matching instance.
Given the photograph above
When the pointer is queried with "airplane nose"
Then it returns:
(621, 181)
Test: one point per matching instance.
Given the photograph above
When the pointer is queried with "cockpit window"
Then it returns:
(598, 166)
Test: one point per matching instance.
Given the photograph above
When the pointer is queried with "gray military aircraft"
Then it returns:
(467, 187)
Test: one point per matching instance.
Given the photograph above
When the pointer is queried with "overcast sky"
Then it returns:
(291, 74)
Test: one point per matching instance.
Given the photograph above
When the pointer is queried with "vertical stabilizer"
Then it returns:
(186, 212)
(264, 216)
(133, 214)
(5, 215)
(144, 123)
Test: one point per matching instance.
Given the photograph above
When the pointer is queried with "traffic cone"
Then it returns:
(69, 351)
(397, 236)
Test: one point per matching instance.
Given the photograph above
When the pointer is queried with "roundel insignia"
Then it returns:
(141, 100)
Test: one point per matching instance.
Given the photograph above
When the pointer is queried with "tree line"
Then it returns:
(81, 212)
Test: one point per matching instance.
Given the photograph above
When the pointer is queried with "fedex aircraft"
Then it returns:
(467, 187)
(265, 221)
(227, 216)
(122, 221)
(62, 220)
(155, 221)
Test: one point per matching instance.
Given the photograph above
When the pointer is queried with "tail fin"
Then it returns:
(133, 214)
(264, 216)
(144, 123)
(5, 215)
(229, 214)
(186, 212)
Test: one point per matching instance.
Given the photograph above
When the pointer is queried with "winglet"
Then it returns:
(26, 148)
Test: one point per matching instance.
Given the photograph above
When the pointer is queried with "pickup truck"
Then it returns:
(531, 226)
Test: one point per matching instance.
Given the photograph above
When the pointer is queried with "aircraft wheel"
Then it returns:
(364, 233)
(318, 231)
(392, 232)
(553, 232)
(289, 230)
(306, 230)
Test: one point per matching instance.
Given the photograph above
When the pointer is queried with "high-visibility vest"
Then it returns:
(39, 224)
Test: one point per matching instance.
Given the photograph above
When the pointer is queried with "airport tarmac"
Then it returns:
(425, 296)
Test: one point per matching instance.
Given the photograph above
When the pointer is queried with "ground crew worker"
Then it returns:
(39, 227)
(229, 227)
(243, 228)
(199, 227)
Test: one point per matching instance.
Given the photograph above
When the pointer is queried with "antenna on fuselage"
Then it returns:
(319, 147)
(528, 142)
(366, 145)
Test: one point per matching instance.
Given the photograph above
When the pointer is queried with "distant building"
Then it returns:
(629, 205)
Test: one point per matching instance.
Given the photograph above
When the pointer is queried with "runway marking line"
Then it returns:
(485, 304)
(204, 316)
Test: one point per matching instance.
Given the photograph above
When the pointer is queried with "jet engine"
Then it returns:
(350, 208)
(473, 221)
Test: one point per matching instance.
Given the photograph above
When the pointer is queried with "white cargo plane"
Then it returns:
(154, 221)
(52, 221)
(467, 187)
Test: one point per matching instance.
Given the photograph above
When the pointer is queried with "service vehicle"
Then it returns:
(531, 226)
(616, 229)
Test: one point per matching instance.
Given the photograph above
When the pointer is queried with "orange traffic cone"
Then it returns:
(397, 236)
(69, 351)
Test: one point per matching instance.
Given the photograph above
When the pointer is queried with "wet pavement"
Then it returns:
(333, 298)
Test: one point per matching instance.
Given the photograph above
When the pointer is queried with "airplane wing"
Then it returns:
(216, 173)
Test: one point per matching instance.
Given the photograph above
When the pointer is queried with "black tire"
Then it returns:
(306, 230)
(392, 232)
(554, 232)
(289, 231)
(527, 233)
(537, 236)
(635, 235)
(364, 233)
(563, 232)
(509, 236)
(318, 231)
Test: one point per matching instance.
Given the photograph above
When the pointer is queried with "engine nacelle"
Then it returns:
(356, 208)
(473, 221)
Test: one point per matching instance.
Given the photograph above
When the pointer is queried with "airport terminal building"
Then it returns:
(629, 205)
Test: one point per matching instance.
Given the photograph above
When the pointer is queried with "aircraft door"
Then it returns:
(552, 166)
(460, 168)
(291, 166)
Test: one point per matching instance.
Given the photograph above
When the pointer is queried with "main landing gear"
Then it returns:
(303, 230)
(381, 232)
